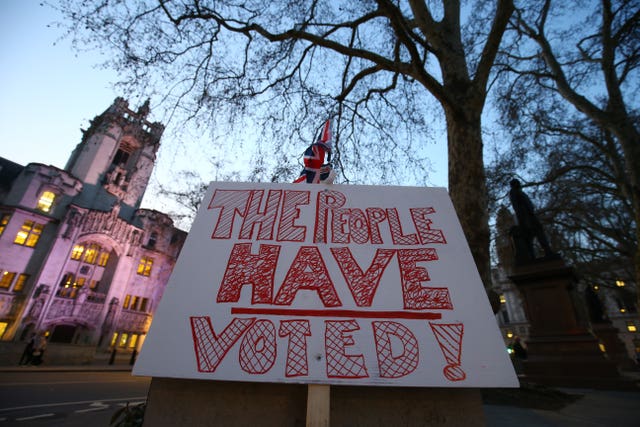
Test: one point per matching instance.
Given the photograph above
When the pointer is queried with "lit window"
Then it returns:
(133, 341)
(134, 303)
(80, 282)
(631, 327)
(114, 339)
(123, 340)
(103, 259)
(6, 279)
(67, 280)
(91, 253)
(67, 286)
(29, 234)
(143, 304)
(620, 283)
(127, 299)
(144, 268)
(503, 299)
(22, 278)
(93, 285)
(46, 201)
(4, 220)
(77, 251)
(3, 328)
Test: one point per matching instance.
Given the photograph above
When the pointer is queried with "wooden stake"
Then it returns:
(318, 407)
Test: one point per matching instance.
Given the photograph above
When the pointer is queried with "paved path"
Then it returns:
(597, 408)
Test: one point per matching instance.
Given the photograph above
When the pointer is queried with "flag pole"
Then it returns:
(318, 395)
(318, 405)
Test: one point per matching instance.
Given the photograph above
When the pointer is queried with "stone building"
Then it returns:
(617, 300)
(511, 317)
(79, 259)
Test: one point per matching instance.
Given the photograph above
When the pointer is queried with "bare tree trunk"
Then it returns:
(467, 185)
(463, 96)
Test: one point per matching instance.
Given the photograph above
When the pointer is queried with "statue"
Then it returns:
(504, 245)
(528, 227)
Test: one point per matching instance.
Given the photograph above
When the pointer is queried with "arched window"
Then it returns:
(121, 157)
(46, 201)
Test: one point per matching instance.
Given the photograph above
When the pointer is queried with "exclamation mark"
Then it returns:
(449, 337)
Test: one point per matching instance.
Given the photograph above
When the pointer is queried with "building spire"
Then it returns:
(143, 111)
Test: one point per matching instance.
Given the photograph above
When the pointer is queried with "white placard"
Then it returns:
(327, 284)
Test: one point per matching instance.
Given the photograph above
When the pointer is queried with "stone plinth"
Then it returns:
(183, 402)
(562, 351)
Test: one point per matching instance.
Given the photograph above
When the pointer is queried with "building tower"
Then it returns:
(80, 261)
(115, 158)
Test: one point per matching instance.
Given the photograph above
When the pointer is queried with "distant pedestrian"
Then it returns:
(27, 354)
(38, 350)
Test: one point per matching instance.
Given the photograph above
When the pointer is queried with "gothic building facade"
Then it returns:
(80, 261)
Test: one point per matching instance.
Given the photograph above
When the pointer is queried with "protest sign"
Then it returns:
(327, 284)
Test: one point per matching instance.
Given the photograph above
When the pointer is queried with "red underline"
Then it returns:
(337, 313)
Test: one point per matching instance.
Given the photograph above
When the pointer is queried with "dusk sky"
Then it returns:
(49, 92)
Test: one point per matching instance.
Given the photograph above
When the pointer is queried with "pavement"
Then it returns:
(591, 407)
(64, 368)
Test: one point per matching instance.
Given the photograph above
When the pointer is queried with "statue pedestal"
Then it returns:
(562, 351)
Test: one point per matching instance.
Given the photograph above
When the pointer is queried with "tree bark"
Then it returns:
(467, 184)
(463, 98)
